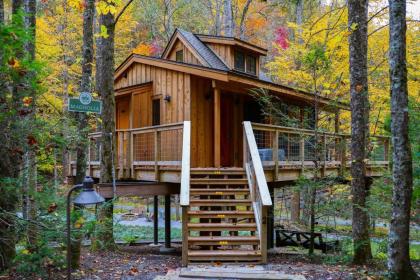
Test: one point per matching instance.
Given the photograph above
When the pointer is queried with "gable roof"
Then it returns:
(203, 51)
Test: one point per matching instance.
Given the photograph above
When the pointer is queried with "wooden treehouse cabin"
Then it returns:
(187, 123)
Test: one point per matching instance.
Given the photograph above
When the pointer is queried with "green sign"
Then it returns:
(85, 103)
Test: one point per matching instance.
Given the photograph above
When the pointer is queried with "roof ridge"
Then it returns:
(216, 63)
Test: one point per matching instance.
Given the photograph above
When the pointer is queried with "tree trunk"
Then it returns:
(242, 34)
(229, 25)
(399, 264)
(1, 12)
(16, 6)
(295, 207)
(31, 172)
(217, 23)
(85, 86)
(105, 87)
(357, 23)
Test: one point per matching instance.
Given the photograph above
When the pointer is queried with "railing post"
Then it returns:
(302, 151)
(127, 155)
(276, 154)
(156, 152)
(120, 137)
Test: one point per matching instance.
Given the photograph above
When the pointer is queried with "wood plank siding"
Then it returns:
(164, 83)
(224, 52)
(189, 57)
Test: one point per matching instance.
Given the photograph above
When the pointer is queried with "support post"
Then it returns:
(264, 234)
(167, 221)
(155, 220)
(184, 236)
(216, 127)
(270, 222)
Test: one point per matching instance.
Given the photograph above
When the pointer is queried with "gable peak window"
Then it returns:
(245, 62)
(179, 56)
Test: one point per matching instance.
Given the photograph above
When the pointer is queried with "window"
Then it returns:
(156, 112)
(179, 56)
(239, 61)
(251, 66)
(245, 63)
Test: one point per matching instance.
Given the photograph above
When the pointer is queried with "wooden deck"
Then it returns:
(155, 154)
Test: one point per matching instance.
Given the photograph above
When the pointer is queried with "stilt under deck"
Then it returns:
(225, 211)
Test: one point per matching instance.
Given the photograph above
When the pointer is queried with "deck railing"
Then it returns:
(296, 147)
(260, 194)
(148, 147)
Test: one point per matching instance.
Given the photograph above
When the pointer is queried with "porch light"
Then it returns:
(87, 196)
(167, 98)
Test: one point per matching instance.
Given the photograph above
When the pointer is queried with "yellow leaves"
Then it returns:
(103, 32)
(77, 4)
(354, 26)
(143, 49)
(104, 7)
(79, 223)
(25, 252)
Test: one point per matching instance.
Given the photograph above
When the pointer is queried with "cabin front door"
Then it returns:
(227, 131)
(123, 113)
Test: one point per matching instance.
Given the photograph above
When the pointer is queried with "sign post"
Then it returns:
(85, 104)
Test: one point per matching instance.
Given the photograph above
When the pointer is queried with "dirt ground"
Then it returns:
(144, 262)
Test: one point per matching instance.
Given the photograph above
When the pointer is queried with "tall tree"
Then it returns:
(243, 18)
(399, 265)
(357, 24)
(85, 86)
(229, 23)
(105, 87)
(1, 12)
(30, 181)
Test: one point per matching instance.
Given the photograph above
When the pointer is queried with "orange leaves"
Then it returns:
(14, 63)
(52, 207)
(31, 140)
(27, 100)
(143, 49)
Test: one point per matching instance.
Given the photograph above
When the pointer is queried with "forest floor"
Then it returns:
(143, 262)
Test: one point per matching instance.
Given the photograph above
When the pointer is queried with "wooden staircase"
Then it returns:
(220, 221)
(224, 211)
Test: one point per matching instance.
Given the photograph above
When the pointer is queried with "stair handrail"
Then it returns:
(251, 145)
(185, 165)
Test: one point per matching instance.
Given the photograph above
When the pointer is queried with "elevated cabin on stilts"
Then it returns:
(187, 123)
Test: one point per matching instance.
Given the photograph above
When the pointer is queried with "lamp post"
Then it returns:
(87, 196)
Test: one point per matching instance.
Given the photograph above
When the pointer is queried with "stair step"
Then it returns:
(224, 255)
(220, 202)
(218, 191)
(221, 214)
(218, 181)
(222, 226)
(223, 240)
(217, 171)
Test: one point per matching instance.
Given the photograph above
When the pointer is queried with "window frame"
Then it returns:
(181, 52)
(246, 58)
